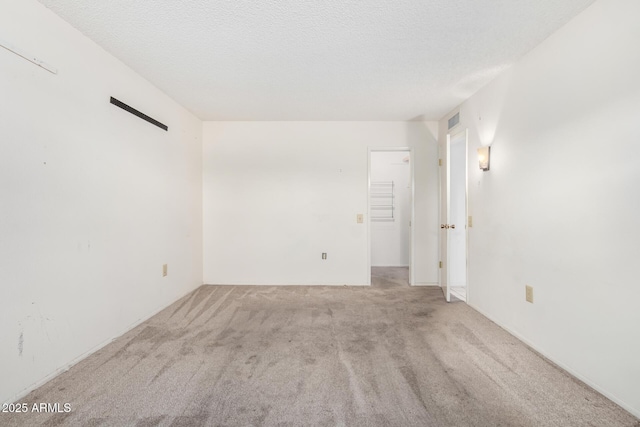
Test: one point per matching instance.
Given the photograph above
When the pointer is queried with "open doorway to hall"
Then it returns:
(390, 201)
(388, 277)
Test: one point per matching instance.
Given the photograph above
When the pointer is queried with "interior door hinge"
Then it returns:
(440, 264)
(439, 162)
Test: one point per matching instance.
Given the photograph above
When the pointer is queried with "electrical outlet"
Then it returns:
(529, 293)
(360, 218)
(324, 255)
(164, 270)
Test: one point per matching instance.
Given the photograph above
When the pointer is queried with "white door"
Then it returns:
(453, 214)
(444, 219)
(457, 242)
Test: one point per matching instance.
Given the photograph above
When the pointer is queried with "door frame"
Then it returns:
(412, 209)
(444, 258)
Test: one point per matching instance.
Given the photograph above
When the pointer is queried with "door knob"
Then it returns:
(442, 226)
(453, 226)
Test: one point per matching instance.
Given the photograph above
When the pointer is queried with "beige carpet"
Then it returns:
(388, 355)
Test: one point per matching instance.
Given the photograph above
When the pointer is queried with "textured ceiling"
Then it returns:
(318, 60)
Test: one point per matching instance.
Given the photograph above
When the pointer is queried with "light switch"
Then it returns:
(360, 218)
(529, 294)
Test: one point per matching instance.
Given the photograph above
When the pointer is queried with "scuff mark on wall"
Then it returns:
(20, 343)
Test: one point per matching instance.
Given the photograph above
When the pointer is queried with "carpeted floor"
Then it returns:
(384, 355)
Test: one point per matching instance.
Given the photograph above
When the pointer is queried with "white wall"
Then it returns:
(93, 199)
(559, 208)
(278, 194)
(391, 240)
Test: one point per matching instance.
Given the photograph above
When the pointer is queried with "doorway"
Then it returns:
(390, 217)
(453, 217)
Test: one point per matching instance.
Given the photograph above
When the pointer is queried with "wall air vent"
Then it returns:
(135, 112)
(454, 120)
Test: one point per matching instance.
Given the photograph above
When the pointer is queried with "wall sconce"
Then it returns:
(483, 157)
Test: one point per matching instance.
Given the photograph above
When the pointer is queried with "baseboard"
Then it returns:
(427, 284)
(390, 266)
(633, 411)
(88, 353)
(286, 284)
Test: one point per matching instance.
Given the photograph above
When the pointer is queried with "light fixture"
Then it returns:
(483, 157)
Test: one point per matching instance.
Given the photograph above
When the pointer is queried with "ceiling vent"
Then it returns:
(454, 120)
